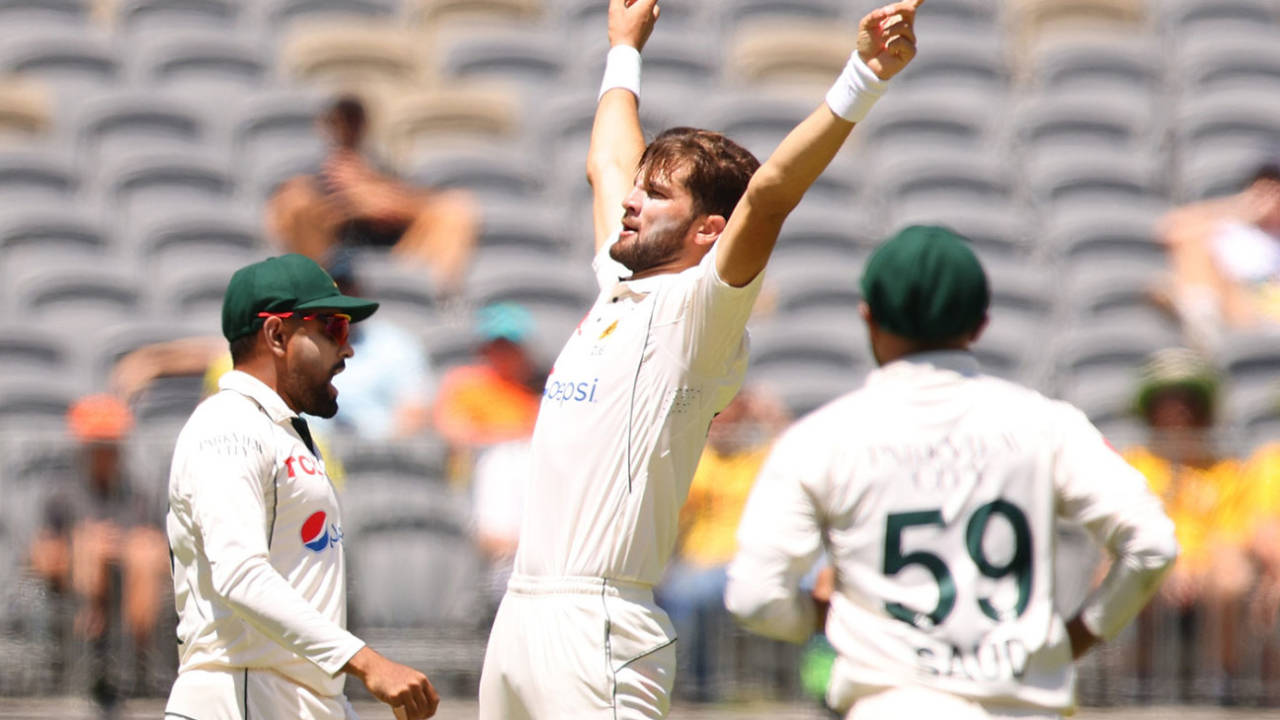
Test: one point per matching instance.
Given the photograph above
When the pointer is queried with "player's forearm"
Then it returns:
(259, 595)
(781, 182)
(1130, 583)
(769, 607)
(617, 142)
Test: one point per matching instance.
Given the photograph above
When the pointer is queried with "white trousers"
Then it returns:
(578, 649)
(241, 694)
(914, 702)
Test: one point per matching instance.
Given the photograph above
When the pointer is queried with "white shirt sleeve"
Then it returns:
(229, 494)
(1099, 490)
(779, 539)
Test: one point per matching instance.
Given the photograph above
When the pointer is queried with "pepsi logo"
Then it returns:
(315, 531)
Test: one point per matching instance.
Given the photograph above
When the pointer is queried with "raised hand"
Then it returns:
(887, 38)
(631, 22)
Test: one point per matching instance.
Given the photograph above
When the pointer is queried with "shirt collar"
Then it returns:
(639, 288)
(944, 365)
(257, 391)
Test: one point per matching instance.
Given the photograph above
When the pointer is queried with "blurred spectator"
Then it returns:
(355, 203)
(101, 540)
(692, 592)
(1225, 258)
(493, 400)
(387, 386)
(498, 487)
(1212, 498)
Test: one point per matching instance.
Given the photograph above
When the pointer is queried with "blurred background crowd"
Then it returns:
(1116, 164)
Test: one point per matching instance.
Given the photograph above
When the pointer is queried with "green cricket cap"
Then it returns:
(1177, 368)
(283, 284)
(926, 284)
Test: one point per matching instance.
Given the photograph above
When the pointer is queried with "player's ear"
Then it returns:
(709, 229)
(864, 310)
(274, 336)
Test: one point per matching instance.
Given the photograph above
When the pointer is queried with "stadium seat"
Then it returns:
(678, 61)
(838, 227)
(1094, 59)
(959, 59)
(139, 184)
(1112, 118)
(405, 291)
(809, 360)
(1010, 347)
(1234, 116)
(70, 62)
(426, 458)
(120, 122)
(533, 279)
(440, 13)
(728, 14)
(1023, 290)
(82, 295)
(971, 13)
(269, 117)
(194, 290)
(143, 17)
(448, 115)
(1113, 292)
(27, 350)
(195, 229)
(756, 119)
(938, 117)
(280, 13)
(931, 174)
(1107, 352)
(561, 126)
(581, 19)
(1252, 360)
(798, 286)
(1252, 415)
(353, 52)
(1209, 171)
(809, 51)
(1189, 17)
(528, 63)
(25, 112)
(22, 17)
(413, 554)
(37, 173)
(1241, 57)
(1031, 17)
(1085, 174)
(42, 234)
(1103, 231)
(31, 403)
(109, 343)
(218, 68)
(493, 172)
(995, 226)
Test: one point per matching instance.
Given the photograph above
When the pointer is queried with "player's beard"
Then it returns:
(653, 246)
(312, 395)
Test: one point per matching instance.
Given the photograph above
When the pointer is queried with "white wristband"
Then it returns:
(621, 70)
(856, 90)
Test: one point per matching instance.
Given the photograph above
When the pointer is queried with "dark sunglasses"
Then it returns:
(336, 325)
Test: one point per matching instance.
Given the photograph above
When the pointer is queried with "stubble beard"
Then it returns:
(313, 398)
(652, 247)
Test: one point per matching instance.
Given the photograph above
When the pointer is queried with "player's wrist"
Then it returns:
(857, 89)
(621, 70)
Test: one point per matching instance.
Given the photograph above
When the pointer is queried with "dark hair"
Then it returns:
(718, 168)
(242, 347)
(348, 110)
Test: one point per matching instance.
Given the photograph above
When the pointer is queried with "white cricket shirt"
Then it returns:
(624, 417)
(256, 536)
(935, 491)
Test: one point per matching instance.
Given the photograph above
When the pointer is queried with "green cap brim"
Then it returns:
(358, 308)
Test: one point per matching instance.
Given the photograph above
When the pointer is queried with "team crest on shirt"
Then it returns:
(608, 331)
(318, 533)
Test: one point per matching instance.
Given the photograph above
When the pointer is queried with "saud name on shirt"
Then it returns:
(570, 391)
(990, 662)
